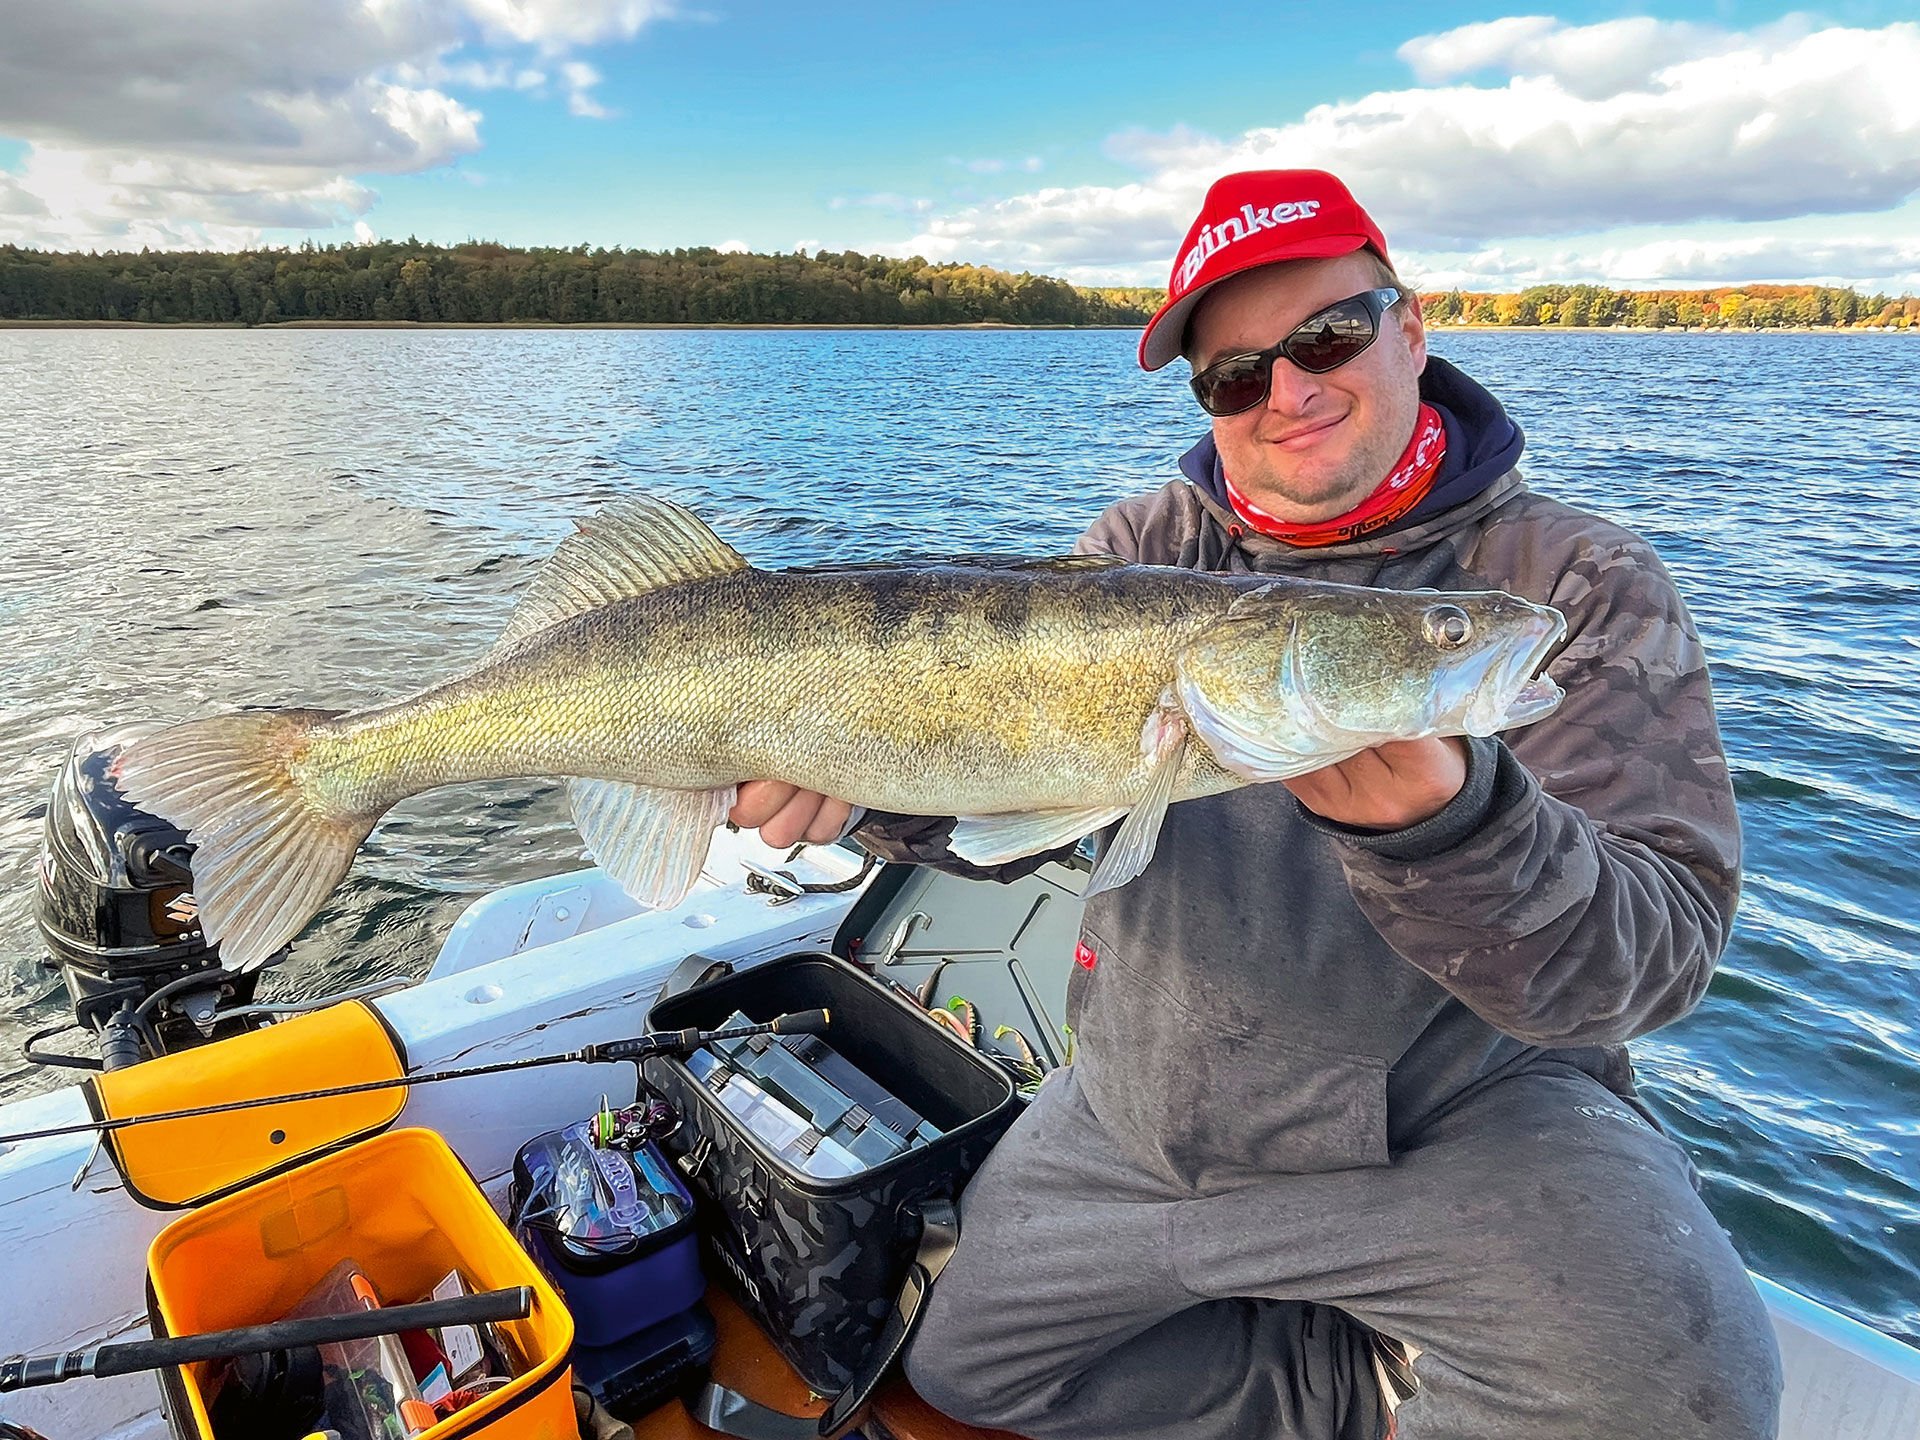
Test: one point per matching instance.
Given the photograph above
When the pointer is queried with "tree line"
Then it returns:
(1749, 307)
(486, 283)
(490, 284)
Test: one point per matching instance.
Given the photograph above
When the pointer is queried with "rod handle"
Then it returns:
(20, 1372)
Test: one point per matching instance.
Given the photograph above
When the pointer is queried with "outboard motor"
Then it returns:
(116, 910)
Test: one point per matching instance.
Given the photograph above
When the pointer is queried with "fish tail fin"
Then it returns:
(267, 849)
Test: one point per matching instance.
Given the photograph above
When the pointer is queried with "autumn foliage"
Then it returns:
(1750, 307)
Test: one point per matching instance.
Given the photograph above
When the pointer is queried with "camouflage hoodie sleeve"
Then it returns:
(1580, 889)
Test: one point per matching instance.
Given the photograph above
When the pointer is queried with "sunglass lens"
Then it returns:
(1331, 338)
(1234, 385)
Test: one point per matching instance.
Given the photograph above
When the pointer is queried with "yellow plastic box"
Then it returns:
(404, 1207)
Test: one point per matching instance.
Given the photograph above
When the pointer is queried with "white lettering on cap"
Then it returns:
(1250, 221)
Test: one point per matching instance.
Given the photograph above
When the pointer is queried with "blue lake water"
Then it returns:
(202, 518)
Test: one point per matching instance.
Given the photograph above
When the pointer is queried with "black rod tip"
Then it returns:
(801, 1022)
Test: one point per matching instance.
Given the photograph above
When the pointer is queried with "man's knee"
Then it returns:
(951, 1367)
(1602, 1283)
(1723, 1379)
(1682, 1352)
(1681, 1343)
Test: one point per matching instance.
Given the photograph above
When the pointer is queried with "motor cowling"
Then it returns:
(116, 911)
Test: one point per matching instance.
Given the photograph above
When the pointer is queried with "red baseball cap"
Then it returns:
(1254, 218)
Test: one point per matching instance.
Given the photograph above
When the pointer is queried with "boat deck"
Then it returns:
(744, 1360)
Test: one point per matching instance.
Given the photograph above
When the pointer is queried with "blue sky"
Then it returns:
(1692, 144)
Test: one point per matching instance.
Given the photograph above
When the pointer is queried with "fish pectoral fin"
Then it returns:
(1132, 845)
(635, 545)
(652, 841)
(996, 839)
(1277, 748)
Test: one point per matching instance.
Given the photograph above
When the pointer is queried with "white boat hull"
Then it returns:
(548, 966)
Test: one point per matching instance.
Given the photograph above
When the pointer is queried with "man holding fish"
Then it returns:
(1352, 1122)
(1352, 1088)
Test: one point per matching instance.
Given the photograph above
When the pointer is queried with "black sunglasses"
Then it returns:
(1324, 342)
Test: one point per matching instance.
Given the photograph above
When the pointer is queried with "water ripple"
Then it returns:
(209, 518)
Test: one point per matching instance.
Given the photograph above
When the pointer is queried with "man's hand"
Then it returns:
(785, 814)
(1388, 787)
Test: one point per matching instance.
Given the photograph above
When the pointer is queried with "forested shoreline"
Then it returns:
(481, 283)
(1745, 307)
(495, 284)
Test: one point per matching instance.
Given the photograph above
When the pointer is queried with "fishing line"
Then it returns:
(640, 1047)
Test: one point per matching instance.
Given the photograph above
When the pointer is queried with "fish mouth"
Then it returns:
(1529, 692)
(1538, 697)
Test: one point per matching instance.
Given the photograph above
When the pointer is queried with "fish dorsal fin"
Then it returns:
(919, 563)
(1074, 562)
(633, 546)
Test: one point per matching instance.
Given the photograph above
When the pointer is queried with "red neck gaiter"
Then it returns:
(1406, 485)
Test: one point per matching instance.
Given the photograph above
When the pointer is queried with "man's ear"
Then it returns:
(1413, 324)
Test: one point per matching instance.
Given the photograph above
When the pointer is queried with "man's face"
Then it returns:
(1318, 444)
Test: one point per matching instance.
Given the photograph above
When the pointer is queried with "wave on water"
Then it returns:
(204, 519)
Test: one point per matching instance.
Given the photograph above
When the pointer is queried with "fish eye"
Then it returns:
(1448, 627)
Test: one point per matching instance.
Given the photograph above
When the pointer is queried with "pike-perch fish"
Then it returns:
(1038, 701)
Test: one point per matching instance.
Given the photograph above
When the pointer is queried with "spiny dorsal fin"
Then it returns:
(634, 545)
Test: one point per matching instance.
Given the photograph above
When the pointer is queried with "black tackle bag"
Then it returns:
(835, 1270)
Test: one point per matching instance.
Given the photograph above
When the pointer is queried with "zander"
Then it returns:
(1037, 700)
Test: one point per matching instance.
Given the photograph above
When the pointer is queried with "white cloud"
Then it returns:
(1590, 61)
(557, 25)
(500, 74)
(580, 78)
(202, 122)
(883, 200)
(1585, 129)
(732, 247)
(1892, 266)
(134, 199)
(1875, 264)
(16, 199)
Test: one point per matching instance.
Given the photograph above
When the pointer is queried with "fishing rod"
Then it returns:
(22, 1372)
(636, 1049)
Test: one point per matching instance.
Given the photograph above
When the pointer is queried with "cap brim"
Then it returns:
(1160, 341)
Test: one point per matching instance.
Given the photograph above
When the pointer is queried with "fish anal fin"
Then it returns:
(633, 546)
(652, 841)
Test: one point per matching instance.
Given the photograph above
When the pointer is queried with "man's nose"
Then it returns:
(1291, 389)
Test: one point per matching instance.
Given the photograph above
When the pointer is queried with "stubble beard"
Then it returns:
(1296, 497)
